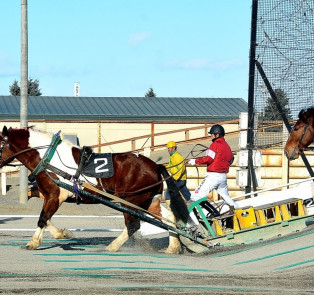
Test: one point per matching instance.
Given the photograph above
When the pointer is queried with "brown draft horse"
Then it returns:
(301, 135)
(132, 173)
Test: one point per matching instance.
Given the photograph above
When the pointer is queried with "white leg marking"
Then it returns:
(58, 233)
(174, 243)
(64, 194)
(119, 241)
(36, 240)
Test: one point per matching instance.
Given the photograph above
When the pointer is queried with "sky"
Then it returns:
(121, 48)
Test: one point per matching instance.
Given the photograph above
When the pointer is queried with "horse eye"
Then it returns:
(295, 129)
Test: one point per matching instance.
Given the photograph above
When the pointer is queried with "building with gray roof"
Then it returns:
(156, 109)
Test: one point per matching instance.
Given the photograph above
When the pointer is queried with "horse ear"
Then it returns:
(5, 131)
(302, 115)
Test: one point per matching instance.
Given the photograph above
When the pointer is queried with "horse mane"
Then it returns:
(51, 134)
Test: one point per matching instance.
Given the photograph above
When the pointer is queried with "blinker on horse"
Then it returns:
(301, 135)
(136, 179)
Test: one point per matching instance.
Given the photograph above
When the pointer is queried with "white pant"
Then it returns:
(217, 181)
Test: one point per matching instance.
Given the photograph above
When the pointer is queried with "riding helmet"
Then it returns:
(171, 144)
(217, 129)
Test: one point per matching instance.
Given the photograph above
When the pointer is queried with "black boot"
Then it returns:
(210, 208)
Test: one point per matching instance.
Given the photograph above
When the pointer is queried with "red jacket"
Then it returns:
(218, 157)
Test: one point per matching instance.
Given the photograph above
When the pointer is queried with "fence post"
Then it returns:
(187, 135)
(152, 131)
(99, 136)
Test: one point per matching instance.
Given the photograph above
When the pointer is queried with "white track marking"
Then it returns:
(63, 216)
(71, 229)
(146, 228)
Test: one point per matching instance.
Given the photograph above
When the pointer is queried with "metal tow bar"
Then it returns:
(145, 218)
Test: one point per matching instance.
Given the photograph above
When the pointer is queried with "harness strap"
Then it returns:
(58, 171)
(56, 140)
(85, 156)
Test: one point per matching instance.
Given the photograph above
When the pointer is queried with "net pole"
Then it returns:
(250, 134)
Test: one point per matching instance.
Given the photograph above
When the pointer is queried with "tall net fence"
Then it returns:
(285, 50)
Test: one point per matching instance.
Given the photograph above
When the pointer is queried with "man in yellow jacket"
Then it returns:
(177, 169)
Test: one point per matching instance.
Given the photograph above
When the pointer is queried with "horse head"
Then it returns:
(5, 151)
(13, 142)
(301, 135)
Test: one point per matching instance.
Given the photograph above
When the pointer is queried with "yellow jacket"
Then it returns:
(177, 166)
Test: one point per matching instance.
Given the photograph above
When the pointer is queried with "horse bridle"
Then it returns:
(303, 133)
(10, 158)
(3, 142)
(307, 125)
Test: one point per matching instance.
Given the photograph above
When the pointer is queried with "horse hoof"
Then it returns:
(111, 249)
(173, 250)
(30, 247)
(66, 234)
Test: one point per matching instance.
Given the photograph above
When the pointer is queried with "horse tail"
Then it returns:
(177, 204)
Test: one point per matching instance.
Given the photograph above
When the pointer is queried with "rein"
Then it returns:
(12, 157)
(159, 182)
(15, 155)
(308, 149)
(142, 189)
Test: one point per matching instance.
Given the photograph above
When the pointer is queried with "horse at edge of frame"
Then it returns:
(301, 135)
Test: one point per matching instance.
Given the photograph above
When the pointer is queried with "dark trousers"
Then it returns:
(181, 184)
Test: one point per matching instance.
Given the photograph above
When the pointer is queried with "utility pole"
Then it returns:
(24, 93)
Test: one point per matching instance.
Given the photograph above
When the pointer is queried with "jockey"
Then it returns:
(218, 159)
